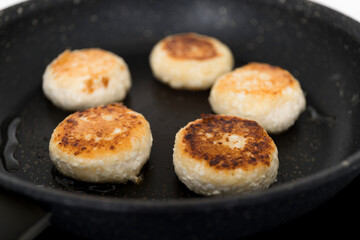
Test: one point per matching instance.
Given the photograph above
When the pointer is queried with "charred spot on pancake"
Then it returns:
(105, 81)
(227, 142)
(189, 46)
(89, 86)
(93, 83)
(72, 121)
(94, 131)
(207, 117)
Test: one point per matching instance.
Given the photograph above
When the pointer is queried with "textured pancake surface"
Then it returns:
(190, 61)
(224, 155)
(267, 94)
(86, 78)
(108, 143)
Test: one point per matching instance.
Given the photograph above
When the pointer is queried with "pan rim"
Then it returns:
(54, 196)
(44, 195)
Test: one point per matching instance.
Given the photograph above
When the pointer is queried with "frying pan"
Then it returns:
(318, 155)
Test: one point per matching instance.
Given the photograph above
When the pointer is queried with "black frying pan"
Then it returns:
(318, 155)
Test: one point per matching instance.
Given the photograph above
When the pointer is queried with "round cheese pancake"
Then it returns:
(86, 78)
(267, 94)
(224, 155)
(190, 61)
(107, 143)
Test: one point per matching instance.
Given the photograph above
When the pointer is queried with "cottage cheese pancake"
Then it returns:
(224, 155)
(107, 143)
(267, 94)
(86, 78)
(190, 61)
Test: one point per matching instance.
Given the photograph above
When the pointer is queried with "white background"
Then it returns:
(347, 7)
(350, 8)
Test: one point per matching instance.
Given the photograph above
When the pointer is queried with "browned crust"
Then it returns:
(278, 79)
(189, 46)
(87, 134)
(256, 151)
(93, 61)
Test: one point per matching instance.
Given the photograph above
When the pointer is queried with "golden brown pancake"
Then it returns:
(100, 140)
(86, 78)
(189, 46)
(98, 131)
(190, 61)
(267, 94)
(258, 79)
(209, 139)
(221, 154)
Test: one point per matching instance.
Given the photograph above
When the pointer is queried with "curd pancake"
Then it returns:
(103, 144)
(190, 61)
(225, 155)
(267, 94)
(86, 78)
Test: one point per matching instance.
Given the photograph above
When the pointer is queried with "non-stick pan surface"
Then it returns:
(318, 155)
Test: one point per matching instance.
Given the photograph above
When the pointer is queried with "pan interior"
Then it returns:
(322, 57)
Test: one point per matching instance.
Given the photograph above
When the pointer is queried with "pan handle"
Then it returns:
(36, 229)
(351, 158)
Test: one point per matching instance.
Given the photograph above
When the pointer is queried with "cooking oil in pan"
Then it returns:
(9, 144)
(81, 187)
(315, 116)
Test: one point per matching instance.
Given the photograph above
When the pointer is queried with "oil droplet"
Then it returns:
(9, 145)
(317, 117)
